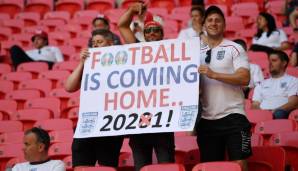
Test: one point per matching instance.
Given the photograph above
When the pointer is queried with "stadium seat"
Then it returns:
(192, 158)
(267, 128)
(168, 4)
(71, 6)
(268, 156)
(5, 87)
(29, 18)
(95, 168)
(11, 138)
(181, 14)
(294, 116)
(60, 150)
(5, 33)
(11, 7)
(186, 143)
(164, 167)
(4, 16)
(161, 12)
(54, 124)
(233, 25)
(5, 68)
(51, 103)
(100, 5)
(33, 67)
(8, 152)
(217, 166)
(15, 25)
(24, 40)
(66, 65)
(60, 136)
(73, 101)
(54, 76)
(184, 3)
(289, 141)
(7, 107)
(57, 15)
(257, 115)
(248, 34)
(73, 114)
(32, 29)
(63, 96)
(276, 8)
(36, 85)
(257, 140)
(29, 116)
(228, 3)
(79, 43)
(113, 15)
(73, 29)
(86, 13)
(10, 126)
(17, 77)
(39, 6)
(60, 38)
(21, 96)
(67, 52)
(52, 24)
(127, 3)
(292, 71)
(248, 11)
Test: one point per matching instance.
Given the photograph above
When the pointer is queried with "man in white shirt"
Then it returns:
(280, 92)
(42, 52)
(36, 145)
(197, 14)
(224, 70)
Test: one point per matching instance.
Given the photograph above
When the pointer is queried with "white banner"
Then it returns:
(140, 88)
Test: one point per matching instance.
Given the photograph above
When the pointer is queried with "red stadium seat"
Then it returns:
(164, 167)
(39, 6)
(168, 4)
(289, 141)
(59, 37)
(73, 29)
(61, 136)
(257, 115)
(267, 128)
(8, 152)
(29, 116)
(11, 138)
(63, 95)
(15, 25)
(294, 115)
(21, 96)
(5, 33)
(54, 76)
(100, 5)
(17, 77)
(52, 24)
(67, 65)
(247, 10)
(113, 15)
(68, 162)
(268, 157)
(292, 71)
(74, 101)
(186, 143)
(60, 150)
(95, 168)
(276, 8)
(185, 3)
(7, 108)
(36, 85)
(86, 13)
(33, 67)
(4, 68)
(54, 124)
(73, 114)
(5, 87)
(4, 16)
(30, 18)
(192, 158)
(162, 12)
(79, 43)
(71, 6)
(228, 3)
(11, 7)
(127, 3)
(10, 126)
(67, 51)
(233, 25)
(24, 40)
(217, 166)
(51, 103)
(58, 15)
(257, 140)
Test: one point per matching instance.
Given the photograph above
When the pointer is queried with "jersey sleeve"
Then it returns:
(60, 166)
(257, 94)
(240, 59)
(293, 88)
(58, 54)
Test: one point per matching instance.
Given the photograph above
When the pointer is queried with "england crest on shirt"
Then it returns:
(283, 84)
(220, 55)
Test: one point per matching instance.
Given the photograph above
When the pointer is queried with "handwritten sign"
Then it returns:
(140, 88)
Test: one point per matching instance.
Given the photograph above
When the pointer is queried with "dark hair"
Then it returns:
(41, 135)
(199, 9)
(241, 42)
(107, 34)
(281, 55)
(270, 24)
(106, 22)
(213, 10)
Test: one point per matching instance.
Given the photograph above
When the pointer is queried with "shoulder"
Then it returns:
(57, 162)
(21, 165)
(232, 46)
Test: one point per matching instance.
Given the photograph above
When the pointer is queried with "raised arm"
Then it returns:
(126, 19)
(73, 82)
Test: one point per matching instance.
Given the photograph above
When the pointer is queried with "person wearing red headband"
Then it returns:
(142, 145)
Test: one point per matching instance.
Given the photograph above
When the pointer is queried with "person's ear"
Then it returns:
(41, 147)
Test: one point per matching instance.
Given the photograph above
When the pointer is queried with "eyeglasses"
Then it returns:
(152, 29)
(208, 56)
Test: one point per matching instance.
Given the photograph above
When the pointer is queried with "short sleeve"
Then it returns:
(60, 166)
(240, 59)
(257, 75)
(58, 54)
(257, 94)
(283, 36)
(293, 87)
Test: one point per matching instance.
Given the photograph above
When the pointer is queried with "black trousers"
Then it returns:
(18, 56)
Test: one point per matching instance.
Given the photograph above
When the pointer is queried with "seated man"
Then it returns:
(280, 92)
(42, 52)
(36, 145)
